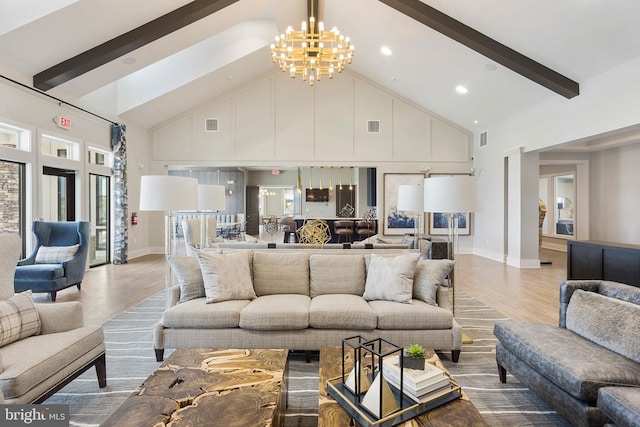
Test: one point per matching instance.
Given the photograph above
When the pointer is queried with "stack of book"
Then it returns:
(419, 385)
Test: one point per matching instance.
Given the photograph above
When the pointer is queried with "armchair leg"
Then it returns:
(101, 370)
(502, 373)
(78, 285)
(159, 354)
(455, 355)
(53, 296)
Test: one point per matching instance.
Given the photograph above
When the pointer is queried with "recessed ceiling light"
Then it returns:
(475, 121)
(461, 89)
(385, 50)
(129, 60)
(490, 67)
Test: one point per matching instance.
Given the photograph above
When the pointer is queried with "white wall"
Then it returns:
(607, 102)
(615, 203)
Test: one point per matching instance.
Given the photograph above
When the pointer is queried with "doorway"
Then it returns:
(58, 194)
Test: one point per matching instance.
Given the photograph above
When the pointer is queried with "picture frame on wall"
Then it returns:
(439, 222)
(398, 222)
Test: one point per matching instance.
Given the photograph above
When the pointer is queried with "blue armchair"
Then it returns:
(58, 260)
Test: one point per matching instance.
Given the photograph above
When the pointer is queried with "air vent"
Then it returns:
(373, 126)
(211, 125)
(483, 138)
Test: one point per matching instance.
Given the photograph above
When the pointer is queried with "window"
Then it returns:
(99, 157)
(12, 202)
(56, 147)
(14, 137)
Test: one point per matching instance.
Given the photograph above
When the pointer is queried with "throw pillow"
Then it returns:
(226, 276)
(430, 273)
(18, 318)
(409, 241)
(390, 278)
(55, 254)
(186, 270)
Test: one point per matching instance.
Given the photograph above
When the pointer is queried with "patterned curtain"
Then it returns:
(121, 198)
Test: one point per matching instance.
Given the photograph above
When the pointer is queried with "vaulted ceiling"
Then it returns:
(227, 46)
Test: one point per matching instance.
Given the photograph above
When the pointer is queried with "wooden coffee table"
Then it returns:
(229, 387)
(459, 412)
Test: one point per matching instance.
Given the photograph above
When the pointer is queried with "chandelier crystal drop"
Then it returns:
(312, 54)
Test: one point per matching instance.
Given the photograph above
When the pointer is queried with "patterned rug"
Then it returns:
(130, 359)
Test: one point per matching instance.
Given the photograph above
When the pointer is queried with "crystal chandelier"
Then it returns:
(312, 54)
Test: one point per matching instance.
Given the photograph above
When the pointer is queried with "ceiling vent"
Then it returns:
(373, 126)
(483, 138)
(211, 125)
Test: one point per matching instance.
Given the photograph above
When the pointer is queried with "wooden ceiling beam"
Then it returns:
(486, 46)
(127, 42)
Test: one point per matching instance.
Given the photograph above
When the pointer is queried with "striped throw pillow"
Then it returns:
(18, 318)
(55, 254)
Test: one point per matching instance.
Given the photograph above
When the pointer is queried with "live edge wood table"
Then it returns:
(459, 412)
(210, 387)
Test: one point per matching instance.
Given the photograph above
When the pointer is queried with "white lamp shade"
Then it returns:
(450, 194)
(168, 193)
(410, 198)
(211, 197)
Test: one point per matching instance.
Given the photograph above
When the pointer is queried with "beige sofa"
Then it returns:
(46, 345)
(305, 299)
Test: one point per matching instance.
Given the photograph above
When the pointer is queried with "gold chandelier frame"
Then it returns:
(312, 54)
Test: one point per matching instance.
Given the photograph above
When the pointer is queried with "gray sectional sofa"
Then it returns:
(304, 299)
(596, 346)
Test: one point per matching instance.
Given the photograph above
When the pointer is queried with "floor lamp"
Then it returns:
(168, 193)
(451, 194)
(210, 198)
(410, 199)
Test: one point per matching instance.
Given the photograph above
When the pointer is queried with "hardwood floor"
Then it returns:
(520, 294)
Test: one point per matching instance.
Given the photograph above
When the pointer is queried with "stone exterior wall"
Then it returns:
(9, 196)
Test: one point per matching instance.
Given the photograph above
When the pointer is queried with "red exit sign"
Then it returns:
(62, 122)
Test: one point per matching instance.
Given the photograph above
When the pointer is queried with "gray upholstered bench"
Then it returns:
(621, 405)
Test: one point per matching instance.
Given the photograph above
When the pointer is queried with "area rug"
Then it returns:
(130, 360)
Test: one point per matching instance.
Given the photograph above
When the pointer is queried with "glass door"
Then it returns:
(99, 208)
(58, 194)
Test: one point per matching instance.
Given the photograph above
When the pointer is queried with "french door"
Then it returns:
(99, 208)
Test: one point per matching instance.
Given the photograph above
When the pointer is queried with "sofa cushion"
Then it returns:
(430, 273)
(573, 363)
(18, 318)
(276, 312)
(186, 270)
(336, 274)
(280, 273)
(31, 361)
(38, 272)
(55, 254)
(419, 315)
(390, 278)
(610, 322)
(621, 404)
(196, 313)
(226, 276)
(341, 312)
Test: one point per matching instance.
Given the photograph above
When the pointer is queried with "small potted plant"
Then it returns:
(413, 357)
